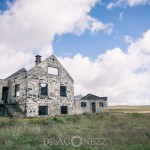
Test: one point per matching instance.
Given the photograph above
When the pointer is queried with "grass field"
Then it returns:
(123, 131)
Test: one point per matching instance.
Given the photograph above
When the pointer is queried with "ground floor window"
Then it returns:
(64, 110)
(83, 104)
(43, 110)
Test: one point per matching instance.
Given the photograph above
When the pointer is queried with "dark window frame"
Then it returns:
(63, 91)
(83, 104)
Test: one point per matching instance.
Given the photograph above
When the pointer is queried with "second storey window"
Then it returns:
(17, 86)
(43, 89)
(63, 91)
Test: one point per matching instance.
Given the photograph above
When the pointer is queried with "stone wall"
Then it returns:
(39, 74)
(22, 81)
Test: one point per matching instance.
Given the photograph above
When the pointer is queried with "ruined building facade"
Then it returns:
(45, 89)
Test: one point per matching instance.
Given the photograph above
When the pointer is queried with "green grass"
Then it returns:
(124, 131)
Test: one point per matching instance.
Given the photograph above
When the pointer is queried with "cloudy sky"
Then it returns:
(104, 45)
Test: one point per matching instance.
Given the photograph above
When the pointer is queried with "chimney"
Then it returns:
(38, 59)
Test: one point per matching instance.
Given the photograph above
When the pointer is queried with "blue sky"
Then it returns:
(135, 21)
(104, 45)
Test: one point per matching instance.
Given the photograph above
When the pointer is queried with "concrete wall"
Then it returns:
(88, 108)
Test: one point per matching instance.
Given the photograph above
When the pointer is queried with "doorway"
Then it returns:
(93, 107)
(5, 94)
(64, 110)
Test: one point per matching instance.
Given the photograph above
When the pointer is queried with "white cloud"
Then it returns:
(122, 76)
(97, 25)
(121, 16)
(128, 39)
(137, 2)
(28, 27)
(130, 3)
(11, 60)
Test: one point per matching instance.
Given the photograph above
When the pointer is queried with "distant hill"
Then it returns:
(130, 109)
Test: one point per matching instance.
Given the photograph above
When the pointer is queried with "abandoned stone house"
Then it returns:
(45, 89)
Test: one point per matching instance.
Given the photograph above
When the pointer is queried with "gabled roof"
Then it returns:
(53, 57)
(78, 97)
(24, 70)
(17, 73)
(93, 97)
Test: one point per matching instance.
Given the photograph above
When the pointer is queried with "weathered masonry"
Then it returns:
(91, 104)
(46, 89)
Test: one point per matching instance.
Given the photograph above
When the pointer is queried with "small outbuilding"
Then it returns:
(91, 104)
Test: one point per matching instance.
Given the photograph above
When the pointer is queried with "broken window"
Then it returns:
(53, 71)
(101, 104)
(83, 104)
(63, 90)
(64, 110)
(17, 86)
(43, 89)
(43, 110)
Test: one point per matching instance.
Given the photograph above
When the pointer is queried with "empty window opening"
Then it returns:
(101, 104)
(43, 110)
(5, 94)
(63, 91)
(43, 89)
(17, 87)
(64, 110)
(53, 71)
(83, 104)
